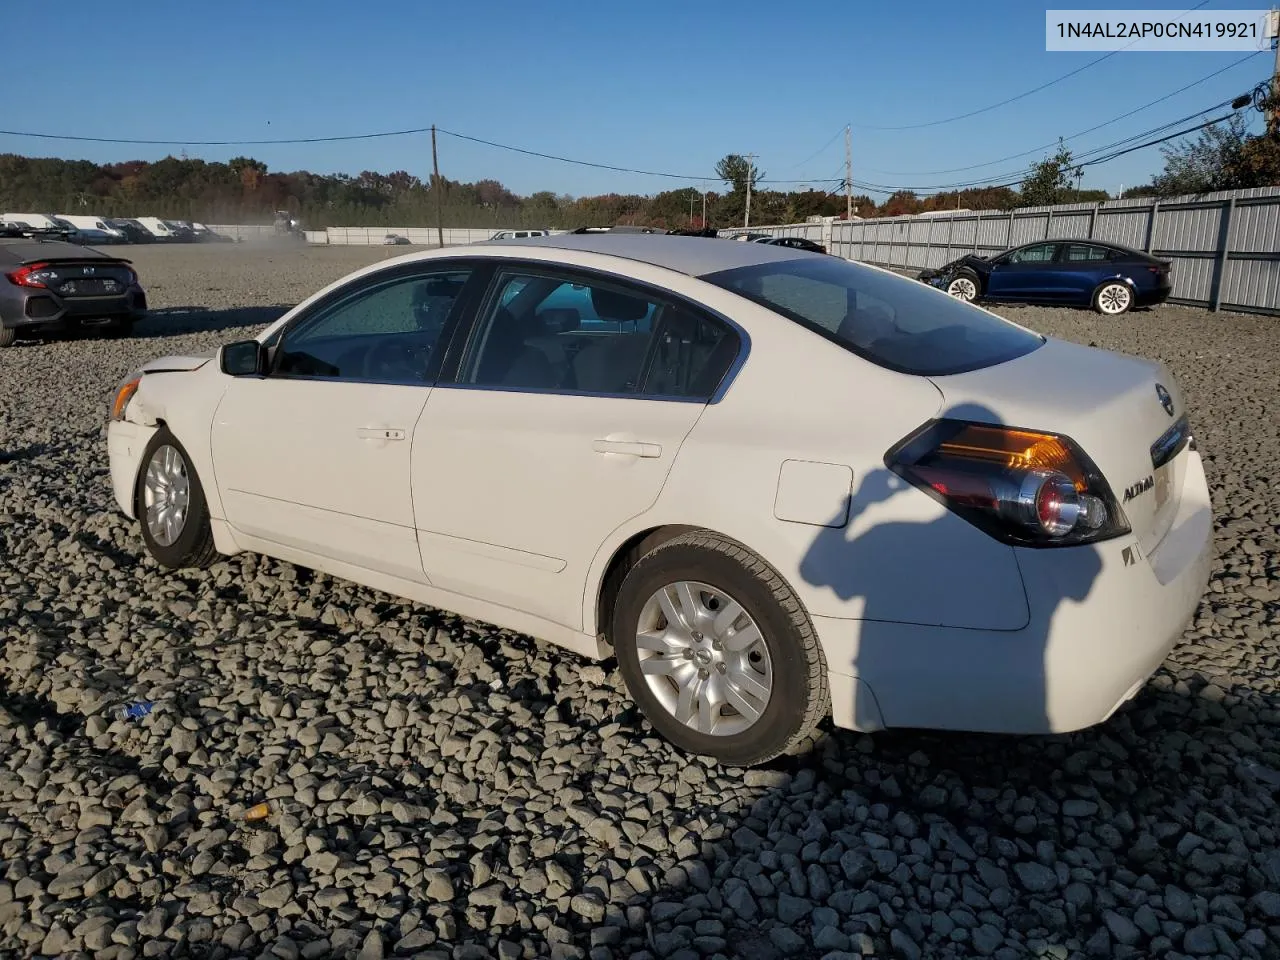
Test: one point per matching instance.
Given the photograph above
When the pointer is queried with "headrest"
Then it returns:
(617, 306)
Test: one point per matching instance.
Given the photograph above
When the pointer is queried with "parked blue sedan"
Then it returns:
(1108, 277)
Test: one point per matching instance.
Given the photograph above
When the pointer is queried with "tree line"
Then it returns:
(243, 190)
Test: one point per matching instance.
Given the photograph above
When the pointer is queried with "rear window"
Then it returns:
(892, 321)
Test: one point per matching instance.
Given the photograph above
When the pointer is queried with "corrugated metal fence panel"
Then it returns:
(1126, 226)
(1250, 283)
(993, 233)
(1071, 225)
(1183, 228)
(1255, 228)
(1192, 278)
(1028, 228)
(317, 236)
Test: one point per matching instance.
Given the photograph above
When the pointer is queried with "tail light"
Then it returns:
(33, 275)
(1023, 487)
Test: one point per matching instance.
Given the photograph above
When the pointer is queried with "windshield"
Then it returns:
(892, 321)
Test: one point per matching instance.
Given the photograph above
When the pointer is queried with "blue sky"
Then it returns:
(668, 86)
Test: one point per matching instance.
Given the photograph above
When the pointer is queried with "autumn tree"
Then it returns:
(1049, 181)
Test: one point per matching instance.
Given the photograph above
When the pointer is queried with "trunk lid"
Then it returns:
(1113, 405)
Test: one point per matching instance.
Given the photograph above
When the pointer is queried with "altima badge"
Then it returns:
(1166, 401)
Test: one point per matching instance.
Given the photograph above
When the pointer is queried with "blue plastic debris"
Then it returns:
(135, 711)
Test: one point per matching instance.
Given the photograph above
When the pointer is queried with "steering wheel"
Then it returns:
(390, 359)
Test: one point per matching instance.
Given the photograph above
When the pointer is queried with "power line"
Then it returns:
(822, 149)
(214, 143)
(883, 188)
(1013, 99)
(1107, 123)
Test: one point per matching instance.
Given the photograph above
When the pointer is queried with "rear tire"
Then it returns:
(171, 506)
(8, 336)
(964, 286)
(1113, 298)
(739, 674)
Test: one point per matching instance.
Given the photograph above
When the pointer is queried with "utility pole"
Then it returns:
(438, 186)
(693, 195)
(848, 172)
(704, 206)
(1273, 30)
(751, 169)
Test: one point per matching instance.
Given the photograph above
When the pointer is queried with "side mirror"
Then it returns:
(244, 358)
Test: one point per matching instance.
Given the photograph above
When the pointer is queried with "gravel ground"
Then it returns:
(442, 789)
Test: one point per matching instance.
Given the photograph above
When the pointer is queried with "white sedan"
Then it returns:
(775, 485)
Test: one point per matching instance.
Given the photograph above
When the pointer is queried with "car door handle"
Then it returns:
(628, 448)
(379, 433)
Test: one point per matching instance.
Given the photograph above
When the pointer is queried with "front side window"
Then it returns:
(593, 336)
(1036, 253)
(384, 331)
(892, 321)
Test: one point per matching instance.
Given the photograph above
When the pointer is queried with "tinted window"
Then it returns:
(384, 331)
(691, 355)
(897, 323)
(1085, 253)
(559, 334)
(1036, 253)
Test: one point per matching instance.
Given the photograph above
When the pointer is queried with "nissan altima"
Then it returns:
(776, 486)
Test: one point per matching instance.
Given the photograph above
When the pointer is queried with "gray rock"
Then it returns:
(1035, 877)
(792, 909)
(1122, 928)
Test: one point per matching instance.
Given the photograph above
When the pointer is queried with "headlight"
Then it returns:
(124, 393)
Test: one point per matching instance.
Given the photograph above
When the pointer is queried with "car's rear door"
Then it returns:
(551, 435)
(1081, 267)
(315, 454)
(1027, 273)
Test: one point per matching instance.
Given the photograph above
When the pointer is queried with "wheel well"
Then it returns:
(137, 477)
(623, 559)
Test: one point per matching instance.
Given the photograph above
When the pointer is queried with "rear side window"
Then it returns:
(1085, 253)
(900, 324)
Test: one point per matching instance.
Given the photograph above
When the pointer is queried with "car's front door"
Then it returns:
(315, 453)
(562, 422)
(1025, 273)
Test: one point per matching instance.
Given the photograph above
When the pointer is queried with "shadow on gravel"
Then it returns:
(180, 321)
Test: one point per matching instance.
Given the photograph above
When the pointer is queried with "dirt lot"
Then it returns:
(442, 789)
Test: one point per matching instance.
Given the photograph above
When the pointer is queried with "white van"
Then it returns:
(93, 226)
(157, 227)
(41, 221)
(518, 234)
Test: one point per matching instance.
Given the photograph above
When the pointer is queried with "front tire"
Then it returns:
(1113, 298)
(171, 506)
(8, 336)
(718, 652)
(964, 286)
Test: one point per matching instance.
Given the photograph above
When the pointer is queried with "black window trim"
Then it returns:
(455, 320)
(1106, 248)
(463, 341)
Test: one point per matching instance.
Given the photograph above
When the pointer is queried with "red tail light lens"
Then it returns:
(1023, 487)
(32, 275)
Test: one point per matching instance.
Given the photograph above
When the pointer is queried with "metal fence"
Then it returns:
(1225, 247)
(368, 236)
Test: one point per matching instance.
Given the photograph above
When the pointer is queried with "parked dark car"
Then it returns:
(1108, 277)
(797, 243)
(133, 231)
(50, 287)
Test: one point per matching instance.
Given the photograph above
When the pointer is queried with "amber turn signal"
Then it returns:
(123, 395)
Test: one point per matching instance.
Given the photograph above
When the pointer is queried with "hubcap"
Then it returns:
(1114, 298)
(704, 658)
(166, 494)
(962, 288)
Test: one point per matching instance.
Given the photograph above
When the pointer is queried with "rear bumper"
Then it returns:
(1103, 619)
(46, 312)
(1149, 298)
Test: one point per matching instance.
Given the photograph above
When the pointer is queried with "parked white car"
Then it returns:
(94, 229)
(774, 484)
